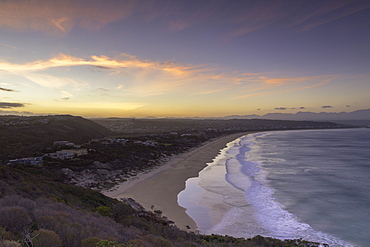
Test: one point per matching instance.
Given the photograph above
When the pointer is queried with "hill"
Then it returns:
(26, 136)
(37, 209)
(363, 115)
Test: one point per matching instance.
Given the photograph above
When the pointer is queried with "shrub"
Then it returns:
(103, 210)
(14, 218)
(46, 238)
(7, 243)
(150, 240)
(90, 242)
(19, 201)
(122, 211)
(107, 243)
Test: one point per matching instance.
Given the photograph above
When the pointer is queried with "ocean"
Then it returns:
(310, 184)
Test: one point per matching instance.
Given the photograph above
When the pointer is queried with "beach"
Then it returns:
(158, 189)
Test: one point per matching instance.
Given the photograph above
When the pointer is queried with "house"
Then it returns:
(27, 161)
(64, 143)
(78, 152)
(67, 154)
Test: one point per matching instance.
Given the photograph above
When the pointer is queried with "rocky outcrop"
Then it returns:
(97, 177)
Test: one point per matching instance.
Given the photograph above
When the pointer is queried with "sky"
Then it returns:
(183, 58)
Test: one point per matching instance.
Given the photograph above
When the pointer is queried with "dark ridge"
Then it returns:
(26, 136)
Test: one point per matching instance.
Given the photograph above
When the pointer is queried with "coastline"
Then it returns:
(160, 187)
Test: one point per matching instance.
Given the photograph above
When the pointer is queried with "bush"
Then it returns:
(107, 243)
(90, 242)
(46, 238)
(152, 241)
(7, 243)
(16, 200)
(122, 211)
(103, 210)
(14, 218)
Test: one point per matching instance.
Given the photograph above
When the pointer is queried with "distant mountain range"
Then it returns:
(322, 116)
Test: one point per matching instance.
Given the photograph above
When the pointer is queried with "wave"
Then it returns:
(240, 186)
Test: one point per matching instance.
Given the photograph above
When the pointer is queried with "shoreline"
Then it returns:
(159, 187)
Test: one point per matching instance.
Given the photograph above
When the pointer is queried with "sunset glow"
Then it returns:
(183, 58)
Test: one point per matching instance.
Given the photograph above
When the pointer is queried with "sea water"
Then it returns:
(310, 184)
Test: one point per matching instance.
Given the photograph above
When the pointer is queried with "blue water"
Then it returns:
(310, 184)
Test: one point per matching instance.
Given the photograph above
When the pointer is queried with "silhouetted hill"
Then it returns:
(311, 116)
(26, 136)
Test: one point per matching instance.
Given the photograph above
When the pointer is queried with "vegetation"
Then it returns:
(37, 207)
(26, 136)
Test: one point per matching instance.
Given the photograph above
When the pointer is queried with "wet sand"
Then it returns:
(160, 187)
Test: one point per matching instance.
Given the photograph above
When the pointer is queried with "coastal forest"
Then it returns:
(58, 202)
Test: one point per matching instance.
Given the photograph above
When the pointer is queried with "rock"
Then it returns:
(133, 204)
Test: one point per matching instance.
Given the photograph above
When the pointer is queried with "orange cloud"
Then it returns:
(57, 18)
(210, 92)
(10, 46)
(293, 83)
(287, 80)
(146, 77)
(307, 87)
(143, 77)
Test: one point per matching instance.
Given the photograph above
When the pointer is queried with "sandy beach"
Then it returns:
(160, 187)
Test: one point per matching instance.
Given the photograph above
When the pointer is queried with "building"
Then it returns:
(67, 154)
(64, 143)
(26, 161)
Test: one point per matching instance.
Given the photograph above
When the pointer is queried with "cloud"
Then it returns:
(290, 80)
(329, 11)
(304, 16)
(10, 46)
(66, 95)
(146, 75)
(58, 18)
(143, 77)
(53, 82)
(326, 106)
(182, 17)
(300, 108)
(9, 105)
(210, 92)
(7, 89)
(276, 85)
(103, 67)
(280, 108)
(256, 15)
(2, 112)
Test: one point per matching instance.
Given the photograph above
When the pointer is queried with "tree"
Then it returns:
(14, 218)
(46, 238)
(90, 242)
